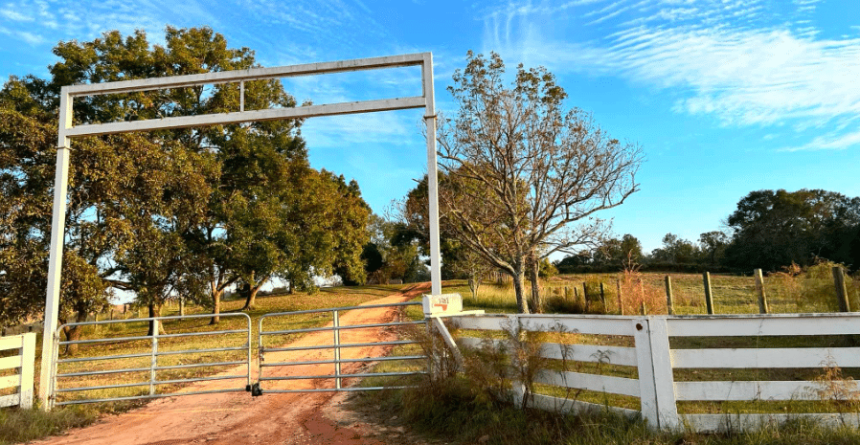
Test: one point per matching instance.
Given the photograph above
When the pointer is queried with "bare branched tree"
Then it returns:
(519, 169)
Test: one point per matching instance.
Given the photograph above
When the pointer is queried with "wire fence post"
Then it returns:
(670, 308)
(603, 298)
(709, 298)
(759, 287)
(841, 290)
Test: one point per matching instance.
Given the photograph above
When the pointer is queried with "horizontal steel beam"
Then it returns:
(125, 86)
(357, 388)
(111, 371)
(200, 351)
(342, 346)
(366, 106)
(105, 357)
(342, 328)
(342, 376)
(347, 360)
(200, 365)
(154, 396)
(149, 320)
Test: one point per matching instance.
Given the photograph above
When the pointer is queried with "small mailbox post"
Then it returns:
(441, 305)
(437, 307)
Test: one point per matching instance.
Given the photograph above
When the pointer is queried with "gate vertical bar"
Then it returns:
(154, 361)
(55, 263)
(52, 372)
(336, 326)
(248, 388)
(432, 175)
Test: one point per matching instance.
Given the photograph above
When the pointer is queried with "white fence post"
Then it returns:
(656, 383)
(22, 364)
(28, 365)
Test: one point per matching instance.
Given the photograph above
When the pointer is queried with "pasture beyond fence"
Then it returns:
(22, 364)
(641, 348)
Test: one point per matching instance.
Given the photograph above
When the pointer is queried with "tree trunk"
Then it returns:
(216, 306)
(533, 265)
(251, 295)
(73, 333)
(474, 284)
(522, 303)
(155, 311)
(252, 298)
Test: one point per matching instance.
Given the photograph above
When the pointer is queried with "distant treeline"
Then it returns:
(771, 229)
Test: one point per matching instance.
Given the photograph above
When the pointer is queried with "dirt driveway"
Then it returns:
(237, 418)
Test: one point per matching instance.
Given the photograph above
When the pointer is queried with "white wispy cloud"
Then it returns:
(85, 20)
(12, 14)
(715, 57)
(28, 37)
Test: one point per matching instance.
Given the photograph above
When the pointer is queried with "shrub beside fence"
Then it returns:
(655, 363)
(22, 364)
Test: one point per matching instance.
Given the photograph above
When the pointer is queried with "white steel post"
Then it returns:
(432, 178)
(55, 263)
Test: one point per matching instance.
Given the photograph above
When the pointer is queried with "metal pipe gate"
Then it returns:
(336, 347)
(153, 366)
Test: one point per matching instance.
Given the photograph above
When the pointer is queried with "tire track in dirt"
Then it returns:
(238, 418)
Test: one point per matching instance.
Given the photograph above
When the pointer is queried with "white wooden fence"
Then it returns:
(22, 364)
(655, 361)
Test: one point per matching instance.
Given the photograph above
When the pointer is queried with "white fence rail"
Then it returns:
(22, 364)
(654, 362)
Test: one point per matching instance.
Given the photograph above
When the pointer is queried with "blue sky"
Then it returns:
(724, 96)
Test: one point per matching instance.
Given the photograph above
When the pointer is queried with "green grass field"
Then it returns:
(732, 294)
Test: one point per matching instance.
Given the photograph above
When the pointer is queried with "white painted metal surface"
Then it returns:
(432, 175)
(367, 106)
(67, 130)
(24, 362)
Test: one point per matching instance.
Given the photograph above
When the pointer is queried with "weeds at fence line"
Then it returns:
(836, 388)
(466, 409)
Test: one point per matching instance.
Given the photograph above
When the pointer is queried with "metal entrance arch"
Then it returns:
(67, 131)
